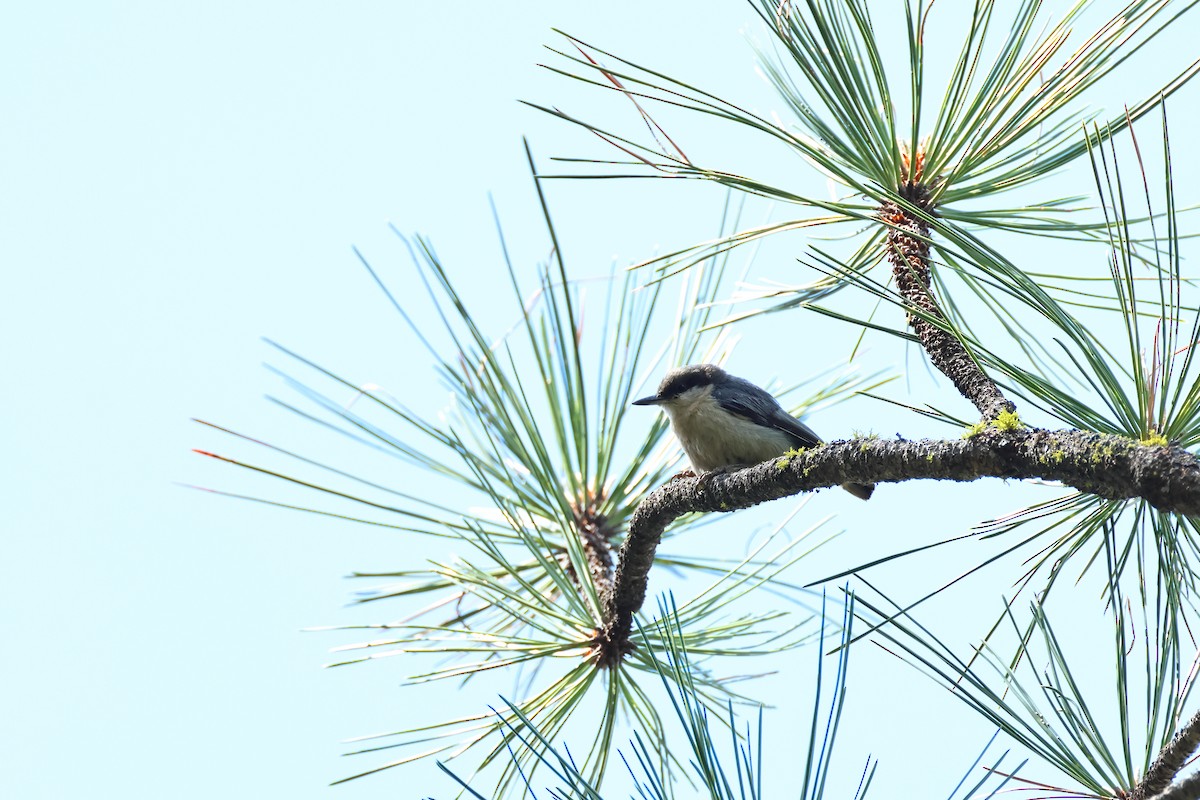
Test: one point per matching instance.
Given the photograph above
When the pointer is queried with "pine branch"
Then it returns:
(1186, 789)
(595, 534)
(1167, 477)
(908, 252)
(1156, 783)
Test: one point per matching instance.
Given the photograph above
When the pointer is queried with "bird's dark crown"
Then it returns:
(692, 376)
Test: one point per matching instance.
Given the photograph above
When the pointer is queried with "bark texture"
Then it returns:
(908, 252)
(1186, 789)
(1157, 781)
(1168, 478)
(595, 533)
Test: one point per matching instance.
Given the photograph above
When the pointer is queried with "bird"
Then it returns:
(725, 422)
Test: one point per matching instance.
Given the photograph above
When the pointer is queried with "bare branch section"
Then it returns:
(596, 534)
(1186, 789)
(1157, 781)
(1168, 478)
(908, 252)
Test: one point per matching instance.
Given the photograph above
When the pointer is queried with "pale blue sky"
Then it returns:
(180, 180)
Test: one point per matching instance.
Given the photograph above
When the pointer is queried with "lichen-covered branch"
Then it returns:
(1157, 781)
(908, 253)
(1167, 477)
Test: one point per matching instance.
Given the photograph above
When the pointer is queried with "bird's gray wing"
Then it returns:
(743, 398)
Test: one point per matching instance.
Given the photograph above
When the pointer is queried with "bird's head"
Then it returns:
(684, 385)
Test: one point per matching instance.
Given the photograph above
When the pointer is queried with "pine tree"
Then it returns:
(1082, 375)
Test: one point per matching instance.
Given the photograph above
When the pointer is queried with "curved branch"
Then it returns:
(1168, 478)
(908, 252)
(1157, 781)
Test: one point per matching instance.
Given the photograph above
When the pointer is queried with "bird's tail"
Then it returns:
(860, 490)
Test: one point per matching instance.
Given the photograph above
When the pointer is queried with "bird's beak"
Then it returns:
(653, 400)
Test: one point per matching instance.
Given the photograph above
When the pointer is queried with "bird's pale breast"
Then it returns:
(714, 438)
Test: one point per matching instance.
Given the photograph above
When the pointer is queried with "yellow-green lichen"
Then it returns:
(786, 459)
(974, 430)
(1007, 421)
(1155, 440)
(1057, 456)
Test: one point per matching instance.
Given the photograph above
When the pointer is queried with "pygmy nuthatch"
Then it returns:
(724, 422)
